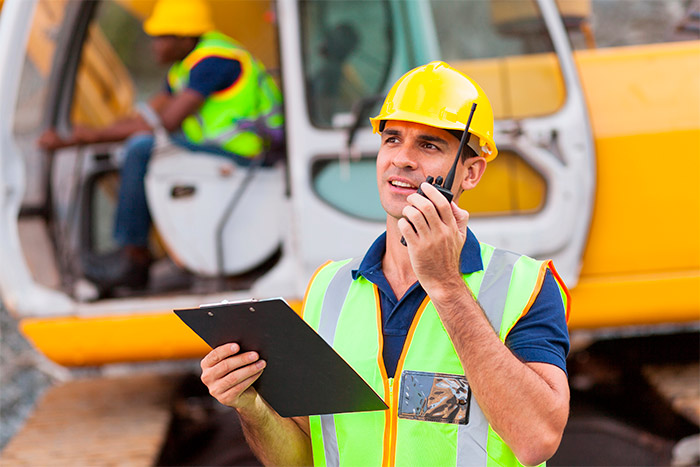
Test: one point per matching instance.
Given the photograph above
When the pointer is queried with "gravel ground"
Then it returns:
(21, 378)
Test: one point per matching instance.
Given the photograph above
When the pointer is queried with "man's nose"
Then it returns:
(405, 157)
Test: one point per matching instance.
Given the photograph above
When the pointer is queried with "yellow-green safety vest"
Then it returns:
(431, 420)
(237, 118)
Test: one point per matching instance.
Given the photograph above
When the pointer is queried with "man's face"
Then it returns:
(410, 152)
(170, 49)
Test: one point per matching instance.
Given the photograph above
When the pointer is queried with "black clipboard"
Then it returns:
(304, 375)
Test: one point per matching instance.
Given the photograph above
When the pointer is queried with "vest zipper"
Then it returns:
(391, 459)
(394, 392)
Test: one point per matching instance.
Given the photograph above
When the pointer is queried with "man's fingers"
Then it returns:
(218, 354)
(439, 202)
(461, 217)
(49, 140)
(417, 218)
(229, 395)
(229, 388)
(227, 373)
(406, 230)
(423, 204)
(234, 378)
(228, 365)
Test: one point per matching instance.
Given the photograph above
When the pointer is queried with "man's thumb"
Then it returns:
(461, 216)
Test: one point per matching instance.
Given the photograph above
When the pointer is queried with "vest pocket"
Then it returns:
(434, 397)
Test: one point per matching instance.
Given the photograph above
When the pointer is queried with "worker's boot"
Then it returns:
(126, 267)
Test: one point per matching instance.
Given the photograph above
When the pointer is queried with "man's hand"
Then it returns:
(436, 244)
(275, 440)
(229, 375)
(50, 140)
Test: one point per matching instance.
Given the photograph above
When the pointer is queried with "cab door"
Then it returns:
(537, 196)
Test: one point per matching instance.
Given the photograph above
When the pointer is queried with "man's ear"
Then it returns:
(475, 168)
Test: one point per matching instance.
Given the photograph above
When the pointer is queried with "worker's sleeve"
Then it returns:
(214, 74)
(542, 335)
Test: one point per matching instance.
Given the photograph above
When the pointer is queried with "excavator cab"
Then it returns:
(597, 122)
(212, 219)
(228, 232)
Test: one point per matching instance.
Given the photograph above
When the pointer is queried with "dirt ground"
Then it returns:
(606, 425)
(21, 380)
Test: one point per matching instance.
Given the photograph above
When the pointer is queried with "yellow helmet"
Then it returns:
(440, 96)
(187, 18)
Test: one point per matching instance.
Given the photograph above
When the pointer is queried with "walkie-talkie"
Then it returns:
(445, 187)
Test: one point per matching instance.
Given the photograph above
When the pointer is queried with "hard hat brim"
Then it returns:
(488, 152)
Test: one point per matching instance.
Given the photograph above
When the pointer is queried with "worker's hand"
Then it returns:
(436, 244)
(50, 141)
(229, 375)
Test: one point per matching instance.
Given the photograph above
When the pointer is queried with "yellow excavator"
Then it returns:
(597, 108)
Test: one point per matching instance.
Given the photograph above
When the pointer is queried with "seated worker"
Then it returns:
(465, 342)
(218, 98)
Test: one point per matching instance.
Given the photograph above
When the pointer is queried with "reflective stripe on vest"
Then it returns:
(333, 301)
(492, 297)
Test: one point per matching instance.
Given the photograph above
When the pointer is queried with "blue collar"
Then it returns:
(469, 259)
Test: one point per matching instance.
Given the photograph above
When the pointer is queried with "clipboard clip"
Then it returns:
(226, 302)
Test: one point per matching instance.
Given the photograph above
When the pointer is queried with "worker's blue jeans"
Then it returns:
(133, 221)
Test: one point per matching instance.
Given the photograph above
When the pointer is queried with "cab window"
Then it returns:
(504, 45)
(347, 48)
(506, 48)
(618, 24)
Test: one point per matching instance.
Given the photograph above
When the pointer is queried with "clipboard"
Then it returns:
(303, 375)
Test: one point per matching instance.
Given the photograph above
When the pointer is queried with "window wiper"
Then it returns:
(360, 111)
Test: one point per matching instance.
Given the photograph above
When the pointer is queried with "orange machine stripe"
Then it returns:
(533, 296)
(79, 341)
(99, 340)
(308, 286)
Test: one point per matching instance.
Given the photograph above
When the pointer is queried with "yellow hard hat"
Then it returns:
(187, 18)
(440, 96)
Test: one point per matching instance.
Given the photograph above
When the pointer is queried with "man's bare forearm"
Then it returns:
(121, 129)
(275, 440)
(526, 404)
(229, 374)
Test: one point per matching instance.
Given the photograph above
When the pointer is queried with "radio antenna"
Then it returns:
(449, 180)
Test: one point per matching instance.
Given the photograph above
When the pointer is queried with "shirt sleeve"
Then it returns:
(542, 334)
(214, 74)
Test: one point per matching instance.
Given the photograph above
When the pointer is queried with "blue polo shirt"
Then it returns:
(212, 74)
(540, 336)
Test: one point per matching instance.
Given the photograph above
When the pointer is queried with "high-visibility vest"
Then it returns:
(417, 429)
(237, 118)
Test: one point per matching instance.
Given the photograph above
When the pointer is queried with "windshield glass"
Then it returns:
(347, 52)
(355, 49)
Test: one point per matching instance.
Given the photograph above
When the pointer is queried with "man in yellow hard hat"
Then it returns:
(465, 342)
(217, 98)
